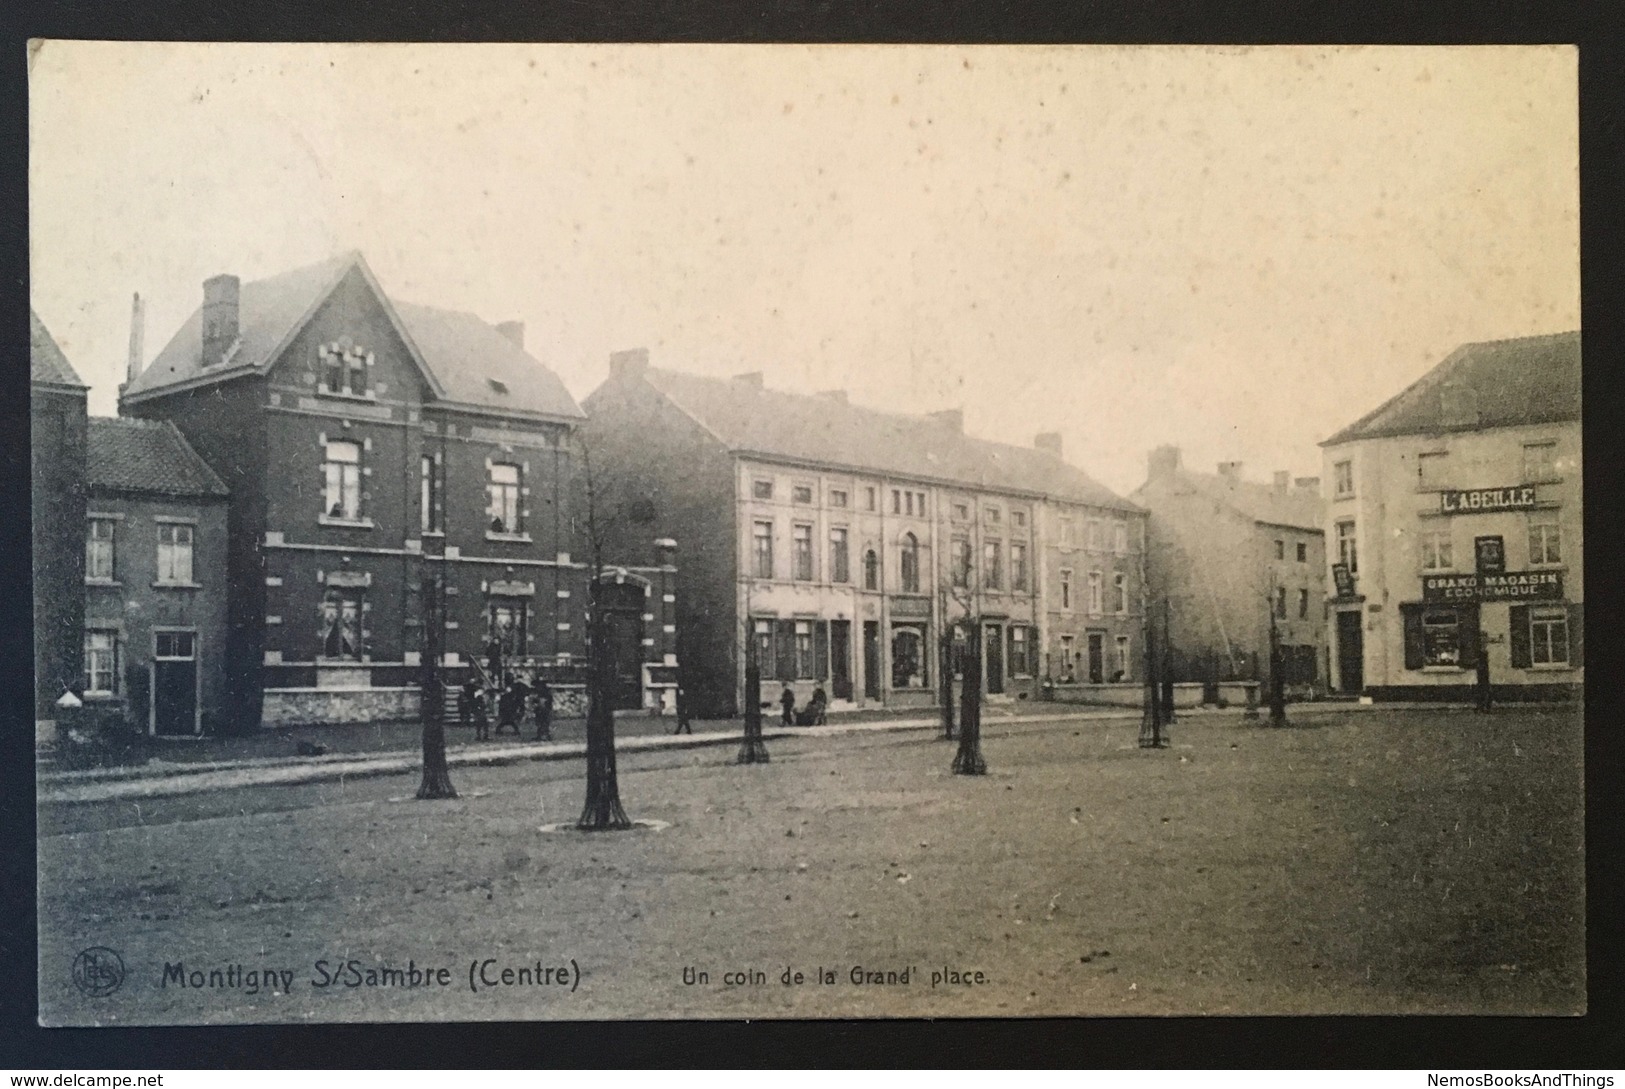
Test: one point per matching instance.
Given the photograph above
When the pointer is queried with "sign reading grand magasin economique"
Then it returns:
(1508, 586)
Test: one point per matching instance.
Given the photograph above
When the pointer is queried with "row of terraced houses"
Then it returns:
(310, 473)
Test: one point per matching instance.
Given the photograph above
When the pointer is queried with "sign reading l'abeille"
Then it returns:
(1487, 500)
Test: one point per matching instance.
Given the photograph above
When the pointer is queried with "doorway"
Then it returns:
(840, 658)
(1097, 657)
(1350, 654)
(871, 659)
(174, 684)
(623, 604)
(993, 655)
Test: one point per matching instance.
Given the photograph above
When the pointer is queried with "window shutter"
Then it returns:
(1414, 654)
(1519, 635)
(1467, 635)
(1010, 651)
(784, 642)
(821, 650)
(1577, 635)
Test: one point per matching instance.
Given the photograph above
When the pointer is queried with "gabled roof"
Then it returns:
(126, 454)
(1527, 380)
(46, 363)
(823, 431)
(458, 354)
(1299, 508)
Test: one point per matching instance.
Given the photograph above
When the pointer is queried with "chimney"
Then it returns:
(220, 317)
(1308, 484)
(1163, 461)
(1230, 470)
(631, 363)
(952, 417)
(753, 379)
(1049, 442)
(514, 331)
(1283, 480)
(138, 338)
(836, 395)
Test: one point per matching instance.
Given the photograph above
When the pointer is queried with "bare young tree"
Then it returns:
(602, 811)
(752, 749)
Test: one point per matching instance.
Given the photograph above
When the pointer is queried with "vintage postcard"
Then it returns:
(643, 532)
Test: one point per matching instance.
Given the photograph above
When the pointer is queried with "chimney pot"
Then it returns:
(952, 417)
(1283, 480)
(514, 331)
(1164, 460)
(753, 379)
(138, 338)
(628, 364)
(1049, 442)
(220, 317)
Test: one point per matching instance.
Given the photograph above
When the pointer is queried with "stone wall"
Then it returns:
(339, 706)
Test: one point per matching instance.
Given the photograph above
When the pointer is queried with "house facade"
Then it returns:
(1454, 528)
(391, 466)
(57, 452)
(1229, 558)
(155, 579)
(838, 545)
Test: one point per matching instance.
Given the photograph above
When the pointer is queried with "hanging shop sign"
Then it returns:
(1505, 586)
(1490, 555)
(1487, 500)
(1344, 579)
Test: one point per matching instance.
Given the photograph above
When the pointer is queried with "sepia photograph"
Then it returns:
(642, 532)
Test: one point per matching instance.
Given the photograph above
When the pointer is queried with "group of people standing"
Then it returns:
(516, 699)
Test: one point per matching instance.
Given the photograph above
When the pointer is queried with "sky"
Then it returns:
(1235, 250)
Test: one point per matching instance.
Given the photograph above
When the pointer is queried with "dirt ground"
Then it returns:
(1390, 862)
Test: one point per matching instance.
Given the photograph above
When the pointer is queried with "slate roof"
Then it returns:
(1527, 380)
(1300, 508)
(819, 430)
(460, 352)
(148, 456)
(46, 363)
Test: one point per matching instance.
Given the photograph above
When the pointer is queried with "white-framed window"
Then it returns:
(762, 550)
(802, 551)
(1432, 469)
(1545, 542)
(761, 489)
(428, 495)
(344, 371)
(1539, 461)
(1348, 549)
(801, 494)
(99, 549)
(342, 468)
(174, 552)
(1120, 537)
(1438, 551)
(837, 497)
(992, 564)
(340, 632)
(1303, 604)
(839, 569)
(1020, 660)
(1548, 636)
(1122, 659)
(1066, 588)
(960, 560)
(1343, 479)
(805, 666)
(909, 556)
(1018, 565)
(1120, 593)
(1097, 593)
(101, 662)
(503, 489)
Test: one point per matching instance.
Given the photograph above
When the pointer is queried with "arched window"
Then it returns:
(871, 570)
(911, 564)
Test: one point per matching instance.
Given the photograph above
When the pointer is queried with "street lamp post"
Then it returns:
(1277, 688)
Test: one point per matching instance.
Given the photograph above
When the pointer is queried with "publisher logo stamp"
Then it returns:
(98, 971)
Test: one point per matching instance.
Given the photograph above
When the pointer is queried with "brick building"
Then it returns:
(155, 578)
(57, 451)
(1454, 524)
(389, 464)
(843, 541)
(1226, 553)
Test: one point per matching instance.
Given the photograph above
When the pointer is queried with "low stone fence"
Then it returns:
(339, 706)
(1186, 694)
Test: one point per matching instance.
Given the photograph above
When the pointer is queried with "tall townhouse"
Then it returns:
(1454, 529)
(838, 543)
(57, 451)
(1229, 558)
(390, 465)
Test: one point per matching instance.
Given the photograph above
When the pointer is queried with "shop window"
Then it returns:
(908, 659)
(1438, 553)
(1440, 636)
(764, 645)
(99, 549)
(910, 556)
(1545, 543)
(1548, 636)
(174, 553)
(762, 554)
(503, 489)
(101, 662)
(343, 477)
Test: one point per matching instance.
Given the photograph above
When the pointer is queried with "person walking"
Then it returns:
(480, 712)
(467, 693)
(788, 702)
(544, 710)
(683, 726)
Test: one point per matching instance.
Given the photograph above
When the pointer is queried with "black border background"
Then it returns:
(1591, 1042)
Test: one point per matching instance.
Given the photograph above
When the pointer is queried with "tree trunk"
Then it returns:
(947, 668)
(603, 812)
(968, 760)
(436, 775)
(753, 750)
